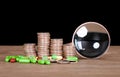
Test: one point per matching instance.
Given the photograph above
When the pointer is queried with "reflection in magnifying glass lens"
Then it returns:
(92, 45)
(91, 40)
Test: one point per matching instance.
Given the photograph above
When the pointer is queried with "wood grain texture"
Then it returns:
(106, 66)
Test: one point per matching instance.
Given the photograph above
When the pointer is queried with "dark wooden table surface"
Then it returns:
(106, 66)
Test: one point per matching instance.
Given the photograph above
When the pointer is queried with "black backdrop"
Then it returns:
(20, 25)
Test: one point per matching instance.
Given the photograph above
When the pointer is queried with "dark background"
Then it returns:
(20, 24)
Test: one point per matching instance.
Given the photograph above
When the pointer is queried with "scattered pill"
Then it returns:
(72, 58)
(41, 61)
(47, 62)
(24, 60)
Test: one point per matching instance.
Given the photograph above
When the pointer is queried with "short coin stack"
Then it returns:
(68, 50)
(56, 46)
(43, 44)
(29, 49)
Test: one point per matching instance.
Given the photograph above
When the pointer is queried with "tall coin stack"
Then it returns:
(30, 49)
(43, 44)
(68, 50)
(56, 47)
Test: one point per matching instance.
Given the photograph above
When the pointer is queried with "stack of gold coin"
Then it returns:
(56, 46)
(29, 49)
(68, 50)
(43, 44)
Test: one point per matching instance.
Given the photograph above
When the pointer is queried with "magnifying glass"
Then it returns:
(91, 40)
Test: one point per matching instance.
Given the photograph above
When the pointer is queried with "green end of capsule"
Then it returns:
(33, 60)
(72, 58)
(41, 62)
(47, 62)
(24, 61)
(7, 58)
(54, 57)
